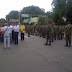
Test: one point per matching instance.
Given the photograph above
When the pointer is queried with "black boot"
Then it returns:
(59, 38)
(49, 43)
(69, 44)
(28, 35)
(46, 43)
(52, 41)
(40, 35)
(66, 44)
(55, 38)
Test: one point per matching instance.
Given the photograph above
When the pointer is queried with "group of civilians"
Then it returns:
(9, 33)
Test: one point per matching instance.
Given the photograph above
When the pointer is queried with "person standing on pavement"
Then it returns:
(22, 29)
(29, 30)
(55, 32)
(52, 32)
(10, 33)
(16, 32)
(13, 34)
(48, 35)
(61, 33)
(6, 30)
(68, 32)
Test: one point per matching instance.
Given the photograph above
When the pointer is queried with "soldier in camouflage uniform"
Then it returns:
(63, 30)
(55, 32)
(61, 33)
(40, 31)
(48, 35)
(68, 32)
(37, 30)
(28, 30)
(43, 31)
(52, 32)
(34, 29)
(58, 32)
(31, 29)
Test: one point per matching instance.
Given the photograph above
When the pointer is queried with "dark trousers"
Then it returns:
(28, 33)
(22, 36)
(2, 39)
(48, 39)
(68, 39)
(55, 36)
(13, 35)
(16, 37)
(61, 37)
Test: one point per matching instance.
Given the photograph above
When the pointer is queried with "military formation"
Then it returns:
(51, 32)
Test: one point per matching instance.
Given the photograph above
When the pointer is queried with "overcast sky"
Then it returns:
(7, 5)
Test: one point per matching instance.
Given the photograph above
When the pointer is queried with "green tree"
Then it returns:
(58, 11)
(42, 20)
(32, 10)
(69, 10)
(2, 21)
(12, 15)
(62, 8)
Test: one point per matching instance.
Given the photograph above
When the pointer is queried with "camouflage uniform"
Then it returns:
(68, 31)
(48, 35)
(58, 32)
(37, 30)
(61, 33)
(52, 33)
(34, 29)
(28, 30)
(55, 32)
(31, 30)
(40, 31)
(43, 31)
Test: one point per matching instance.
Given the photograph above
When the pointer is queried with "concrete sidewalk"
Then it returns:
(31, 55)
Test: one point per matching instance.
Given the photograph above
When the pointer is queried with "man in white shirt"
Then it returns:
(10, 32)
(6, 31)
(16, 32)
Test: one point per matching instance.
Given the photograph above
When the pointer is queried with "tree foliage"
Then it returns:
(42, 20)
(2, 21)
(32, 10)
(62, 8)
(13, 15)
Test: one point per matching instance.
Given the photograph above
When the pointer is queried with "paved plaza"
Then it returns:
(31, 55)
